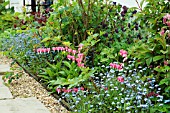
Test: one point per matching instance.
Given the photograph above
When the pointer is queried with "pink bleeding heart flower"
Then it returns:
(38, 50)
(57, 48)
(72, 57)
(44, 50)
(74, 52)
(168, 23)
(82, 88)
(62, 49)
(80, 55)
(78, 60)
(164, 20)
(75, 90)
(69, 90)
(167, 16)
(54, 48)
(120, 79)
(80, 64)
(120, 67)
(81, 46)
(69, 57)
(69, 50)
(113, 65)
(123, 53)
(48, 50)
(66, 48)
(58, 90)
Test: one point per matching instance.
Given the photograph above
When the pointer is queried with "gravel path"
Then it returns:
(26, 86)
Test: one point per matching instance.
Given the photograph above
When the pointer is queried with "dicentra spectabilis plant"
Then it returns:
(73, 55)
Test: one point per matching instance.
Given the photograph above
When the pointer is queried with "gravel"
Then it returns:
(26, 86)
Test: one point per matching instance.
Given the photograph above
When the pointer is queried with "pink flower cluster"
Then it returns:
(79, 55)
(123, 53)
(116, 66)
(72, 57)
(165, 18)
(59, 90)
(43, 50)
(58, 49)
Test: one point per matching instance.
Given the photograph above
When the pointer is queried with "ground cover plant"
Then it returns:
(99, 57)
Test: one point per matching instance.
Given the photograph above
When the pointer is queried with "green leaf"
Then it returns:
(164, 52)
(57, 38)
(104, 59)
(164, 81)
(62, 72)
(46, 39)
(156, 58)
(148, 61)
(141, 3)
(66, 44)
(67, 64)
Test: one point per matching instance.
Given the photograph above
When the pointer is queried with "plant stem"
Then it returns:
(138, 5)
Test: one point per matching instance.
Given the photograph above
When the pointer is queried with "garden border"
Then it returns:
(62, 102)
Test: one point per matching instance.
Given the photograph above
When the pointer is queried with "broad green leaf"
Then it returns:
(164, 81)
(164, 52)
(148, 61)
(67, 64)
(62, 72)
(104, 59)
(156, 58)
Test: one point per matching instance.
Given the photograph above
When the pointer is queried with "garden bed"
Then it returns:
(98, 56)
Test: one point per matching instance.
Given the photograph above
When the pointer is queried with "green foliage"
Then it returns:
(6, 17)
(65, 74)
(155, 51)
